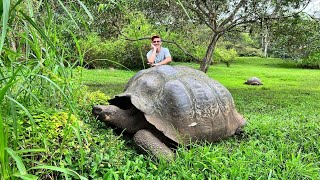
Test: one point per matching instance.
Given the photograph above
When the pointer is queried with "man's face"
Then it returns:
(156, 42)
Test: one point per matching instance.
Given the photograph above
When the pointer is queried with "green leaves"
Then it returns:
(5, 17)
(23, 171)
(40, 31)
(18, 160)
(34, 77)
(3, 144)
(63, 170)
(86, 9)
(3, 132)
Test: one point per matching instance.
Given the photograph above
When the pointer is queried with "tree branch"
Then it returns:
(167, 41)
(231, 26)
(149, 38)
(228, 19)
(175, 43)
(201, 17)
(209, 13)
(138, 39)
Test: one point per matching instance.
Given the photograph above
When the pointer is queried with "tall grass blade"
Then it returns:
(30, 93)
(81, 55)
(63, 94)
(76, 130)
(13, 114)
(5, 18)
(3, 144)
(30, 8)
(25, 110)
(4, 90)
(82, 19)
(14, 6)
(86, 9)
(3, 136)
(66, 10)
(63, 170)
(12, 77)
(1, 9)
(43, 35)
(184, 9)
(30, 151)
(19, 163)
(26, 176)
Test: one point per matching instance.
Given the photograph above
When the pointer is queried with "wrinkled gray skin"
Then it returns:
(253, 81)
(172, 104)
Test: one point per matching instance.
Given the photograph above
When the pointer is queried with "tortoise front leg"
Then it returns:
(150, 143)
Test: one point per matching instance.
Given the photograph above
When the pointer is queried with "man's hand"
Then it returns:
(155, 64)
(153, 47)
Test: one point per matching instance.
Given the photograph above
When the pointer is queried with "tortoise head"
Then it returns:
(105, 113)
(130, 120)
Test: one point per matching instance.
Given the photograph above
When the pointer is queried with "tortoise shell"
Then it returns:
(183, 103)
(253, 81)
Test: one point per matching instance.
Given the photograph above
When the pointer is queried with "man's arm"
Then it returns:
(167, 60)
(152, 57)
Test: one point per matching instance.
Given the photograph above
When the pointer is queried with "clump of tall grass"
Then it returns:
(38, 103)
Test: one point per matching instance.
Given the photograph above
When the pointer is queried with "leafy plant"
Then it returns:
(312, 61)
(225, 56)
(34, 76)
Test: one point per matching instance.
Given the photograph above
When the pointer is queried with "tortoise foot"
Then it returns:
(151, 144)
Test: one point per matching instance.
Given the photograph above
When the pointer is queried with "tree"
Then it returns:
(296, 37)
(223, 16)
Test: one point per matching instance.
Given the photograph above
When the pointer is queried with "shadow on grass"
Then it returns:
(268, 62)
(284, 64)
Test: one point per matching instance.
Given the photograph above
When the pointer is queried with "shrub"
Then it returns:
(312, 61)
(225, 56)
(119, 52)
(95, 49)
(248, 51)
(130, 54)
(177, 54)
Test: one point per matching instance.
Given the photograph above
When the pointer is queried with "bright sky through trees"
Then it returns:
(314, 7)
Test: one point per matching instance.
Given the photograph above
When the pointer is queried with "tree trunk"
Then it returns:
(266, 44)
(206, 62)
(265, 41)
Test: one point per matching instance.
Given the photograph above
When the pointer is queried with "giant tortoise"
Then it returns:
(253, 81)
(172, 104)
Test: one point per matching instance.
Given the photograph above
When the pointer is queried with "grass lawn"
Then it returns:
(281, 139)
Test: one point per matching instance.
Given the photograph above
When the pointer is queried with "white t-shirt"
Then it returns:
(162, 55)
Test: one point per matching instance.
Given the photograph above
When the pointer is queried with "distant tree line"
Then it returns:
(205, 32)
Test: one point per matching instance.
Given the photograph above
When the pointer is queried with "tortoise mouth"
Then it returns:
(123, 102)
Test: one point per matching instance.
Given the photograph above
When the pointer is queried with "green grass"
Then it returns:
(110, 81)
(36, 85)
(281, 139)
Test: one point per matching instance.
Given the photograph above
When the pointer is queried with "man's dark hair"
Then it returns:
(153, 37)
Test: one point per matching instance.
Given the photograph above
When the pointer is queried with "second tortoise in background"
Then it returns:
(253, 81)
